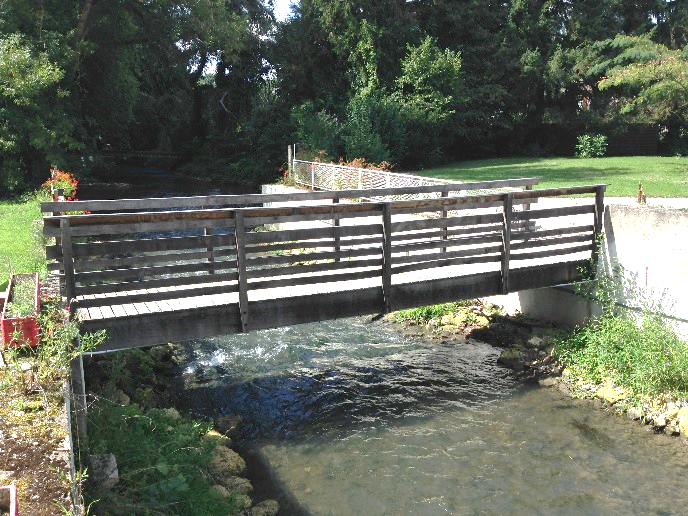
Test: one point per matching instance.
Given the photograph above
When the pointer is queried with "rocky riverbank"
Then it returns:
(528, 350)
(145, 384)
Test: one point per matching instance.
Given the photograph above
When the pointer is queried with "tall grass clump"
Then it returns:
(424, 314)
(634, 347)
(162, 463)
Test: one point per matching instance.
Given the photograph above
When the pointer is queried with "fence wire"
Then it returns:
(329, 176)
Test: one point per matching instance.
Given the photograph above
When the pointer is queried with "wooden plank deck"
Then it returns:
(150, 277)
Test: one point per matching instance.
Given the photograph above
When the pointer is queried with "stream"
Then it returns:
(349, 418)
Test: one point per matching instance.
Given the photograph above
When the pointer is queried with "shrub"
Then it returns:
(591, 145)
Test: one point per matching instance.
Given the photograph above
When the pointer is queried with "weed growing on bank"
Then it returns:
(637, 348)
(464, 309)
(161, 460)
(425, 314)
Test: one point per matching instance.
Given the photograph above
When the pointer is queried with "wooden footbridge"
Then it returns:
(152, 271)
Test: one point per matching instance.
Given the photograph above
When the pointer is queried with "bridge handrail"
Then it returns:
(52, 221)
(242, 200)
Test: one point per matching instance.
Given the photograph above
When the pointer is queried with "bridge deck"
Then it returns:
(156, 276)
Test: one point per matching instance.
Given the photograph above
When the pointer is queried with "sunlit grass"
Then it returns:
(662, 176)
(21, 246)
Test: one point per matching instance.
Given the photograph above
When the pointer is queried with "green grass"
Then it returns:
(21, 244)
(661, 176)
(647, 358)
(161, 462)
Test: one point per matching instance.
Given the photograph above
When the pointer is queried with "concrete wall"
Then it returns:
(652, 246)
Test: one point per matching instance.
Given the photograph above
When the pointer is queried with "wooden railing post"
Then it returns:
(444, 216)
(67, 261)
(387, 256)
(337, 239)
(506, 240)
(599, 219)
(240, 234)
(208, 232)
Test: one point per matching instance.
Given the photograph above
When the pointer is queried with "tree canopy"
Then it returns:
(227, 87)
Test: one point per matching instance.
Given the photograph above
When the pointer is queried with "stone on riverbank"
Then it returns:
(226, 463)
(548, 382)
(219, 491)
(610, 394)
(213, 436)
(265, 508)
(237, 484)
(683, 422)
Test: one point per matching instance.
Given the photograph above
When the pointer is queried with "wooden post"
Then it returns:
(526, 207)
(444, 216)
(599, 219)
(506, 240)
(387, 256)
(68, 261)
(240, 234)
(78, 387)
(208, 232)
(337, 239)
(290, 162)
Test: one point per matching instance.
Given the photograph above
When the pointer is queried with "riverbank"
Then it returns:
(179, 463)
(534, 350)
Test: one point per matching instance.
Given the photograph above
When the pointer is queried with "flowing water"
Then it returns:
(350, 418)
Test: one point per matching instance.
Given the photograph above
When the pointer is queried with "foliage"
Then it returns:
(591, 145)
(425, 314)
(654, 77)
(316, 129)
(50, 360)
(161, 462)
(22, 298)
(631, 344)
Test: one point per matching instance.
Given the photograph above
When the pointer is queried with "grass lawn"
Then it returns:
(661, 176)
(21, 246)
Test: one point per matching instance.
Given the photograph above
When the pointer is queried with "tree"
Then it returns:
(652, 78)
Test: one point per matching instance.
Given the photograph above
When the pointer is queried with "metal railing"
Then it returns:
(330, 176)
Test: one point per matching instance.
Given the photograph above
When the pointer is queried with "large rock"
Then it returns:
(610, 394)
(239, 485)
(104, 472)
(219, 491)
(226, 463)
(266, 508)
(227, 425)
(682, 418)
(511, 358)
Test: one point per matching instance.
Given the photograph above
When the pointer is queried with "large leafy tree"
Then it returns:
(651, 78)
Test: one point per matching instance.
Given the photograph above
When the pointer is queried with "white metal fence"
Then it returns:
(329, 176)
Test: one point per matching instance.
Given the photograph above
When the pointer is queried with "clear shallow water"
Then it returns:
(347, 418)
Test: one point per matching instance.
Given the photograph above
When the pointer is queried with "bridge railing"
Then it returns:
(379, 256)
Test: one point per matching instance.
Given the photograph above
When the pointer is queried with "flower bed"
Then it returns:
(22, 305)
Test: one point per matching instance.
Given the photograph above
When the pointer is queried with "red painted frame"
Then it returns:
(14, 507)
(28, 326)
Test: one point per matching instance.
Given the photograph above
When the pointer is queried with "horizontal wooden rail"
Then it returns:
(197, 202)
(132, 266)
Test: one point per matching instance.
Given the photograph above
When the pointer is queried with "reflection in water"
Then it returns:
(351, 419)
